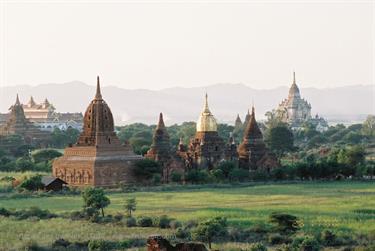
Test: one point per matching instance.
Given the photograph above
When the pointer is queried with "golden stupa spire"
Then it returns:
(206, 108)
(206, 121)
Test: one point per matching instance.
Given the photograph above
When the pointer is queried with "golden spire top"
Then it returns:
(206, 121)
(98, 94)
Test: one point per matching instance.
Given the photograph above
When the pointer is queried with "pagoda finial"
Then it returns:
(206, 109)
(294, 77)
(18, 100)
(98, 94)
(161, 121)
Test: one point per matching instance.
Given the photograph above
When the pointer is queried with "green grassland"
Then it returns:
(321, 205)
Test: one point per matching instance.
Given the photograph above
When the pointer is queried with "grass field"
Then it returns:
(320, 205)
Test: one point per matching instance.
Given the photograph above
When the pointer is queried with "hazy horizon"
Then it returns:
(159, 44)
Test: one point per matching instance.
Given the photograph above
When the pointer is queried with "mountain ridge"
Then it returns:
(352, 102)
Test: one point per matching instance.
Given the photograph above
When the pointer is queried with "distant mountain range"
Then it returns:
(340, 104)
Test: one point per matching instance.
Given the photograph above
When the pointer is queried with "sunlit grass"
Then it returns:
(320, 205)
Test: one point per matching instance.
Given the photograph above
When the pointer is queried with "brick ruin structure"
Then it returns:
(162, 153)
(18, 124)
(252, 152)
(98, 158)
(207, 148)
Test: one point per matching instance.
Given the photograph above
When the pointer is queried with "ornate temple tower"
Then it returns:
(98, 158)
(17, 123)
(294, 110)
(207, 147)
(161, 147)
(252, 151)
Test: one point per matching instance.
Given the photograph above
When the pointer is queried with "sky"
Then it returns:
(163, 44)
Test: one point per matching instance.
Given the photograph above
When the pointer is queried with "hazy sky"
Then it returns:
(160, 44)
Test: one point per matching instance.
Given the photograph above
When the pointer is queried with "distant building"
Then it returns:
(98, 158)
(17, 124)
(45, 117)
(252, 152)
(238, 122)
(296, 111)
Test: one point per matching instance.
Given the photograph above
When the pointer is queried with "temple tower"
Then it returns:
(161, 147)
(252, 151)
(207, 147)
(98, 158)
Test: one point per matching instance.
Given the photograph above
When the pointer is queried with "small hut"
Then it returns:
(53, 183)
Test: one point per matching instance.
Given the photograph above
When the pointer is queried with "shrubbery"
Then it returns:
(145, 222)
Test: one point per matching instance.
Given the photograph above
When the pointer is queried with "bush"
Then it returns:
(285, 223)
(197, 176)
(258, 247)
(174, 224)
(276, 239)
(100, 245)
(329, 238)
(310, 244)
(176, 177)
(4, 212)
(33, 183)
(145, 222)
(130, 222)
(164, 221)
(305, 243)
(146, 168)
(183, 233)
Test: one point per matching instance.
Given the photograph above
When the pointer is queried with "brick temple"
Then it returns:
(98, 158)
(253, 154)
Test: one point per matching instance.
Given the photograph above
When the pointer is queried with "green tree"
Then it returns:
(130, 205)
(352, 156)
(210, 230)
(368, 127)
(280, 140)
(146, 168)
(95, 198)
(45, 155)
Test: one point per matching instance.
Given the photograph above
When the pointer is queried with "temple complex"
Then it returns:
(161, 152)
(294, 110)
(252, 152)
(18, 124)
(45, 117)
(98, 158)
